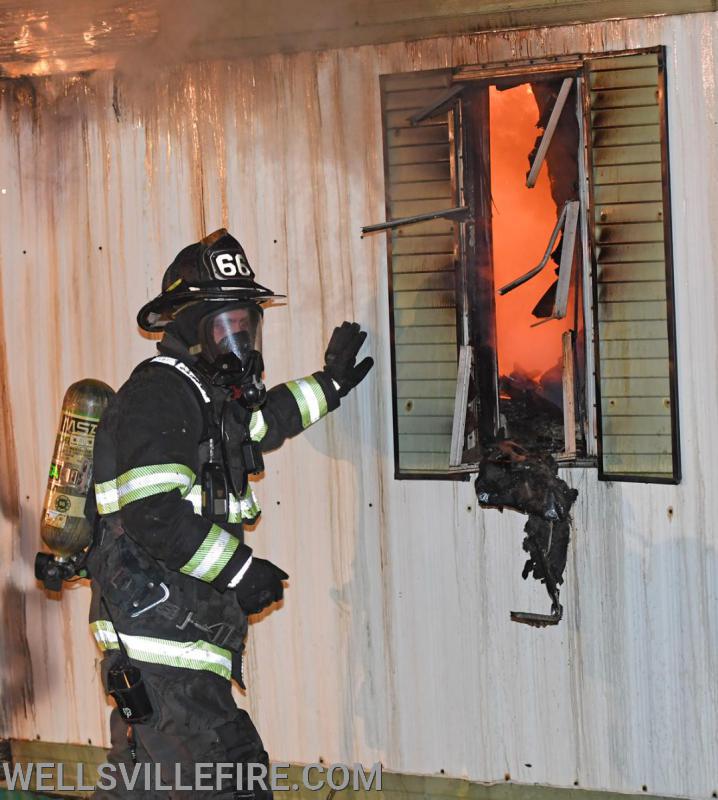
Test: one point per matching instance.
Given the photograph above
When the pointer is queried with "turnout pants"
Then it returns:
(195, 722)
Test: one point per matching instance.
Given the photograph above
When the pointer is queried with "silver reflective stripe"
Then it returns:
(257, 427)
(238, 577)
(141, 482)
(189, 655)
(310, 399)
(180, 366)
(212, 556)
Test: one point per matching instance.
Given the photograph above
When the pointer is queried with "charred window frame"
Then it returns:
(625, 270)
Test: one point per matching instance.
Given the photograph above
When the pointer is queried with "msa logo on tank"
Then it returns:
(230, 264)
(80, 427)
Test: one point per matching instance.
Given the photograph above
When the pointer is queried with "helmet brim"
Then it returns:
(155, 315)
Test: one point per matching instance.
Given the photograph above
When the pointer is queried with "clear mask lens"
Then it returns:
(235, 330)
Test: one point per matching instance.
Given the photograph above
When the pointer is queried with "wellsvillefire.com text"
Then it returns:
(56, 777)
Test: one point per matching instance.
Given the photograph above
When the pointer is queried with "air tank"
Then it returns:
(64, 528)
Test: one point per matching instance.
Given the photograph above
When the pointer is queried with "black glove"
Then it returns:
(261, 585)
(340, 358)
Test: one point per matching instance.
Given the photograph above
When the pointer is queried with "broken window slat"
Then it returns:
(509, 287)
(548, 133)
(460, 406)
(516, 69)
(439, 106)
(587, 273)
(569, 396)
(457, 214)
(568, 248)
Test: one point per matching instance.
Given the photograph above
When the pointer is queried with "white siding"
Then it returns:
(395, 641)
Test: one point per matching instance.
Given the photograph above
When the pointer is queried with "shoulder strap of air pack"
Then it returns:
(210, 427)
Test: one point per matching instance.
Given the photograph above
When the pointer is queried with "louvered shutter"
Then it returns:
(419, 163)
(638, 414)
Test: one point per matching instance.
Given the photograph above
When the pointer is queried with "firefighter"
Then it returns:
(173, 580)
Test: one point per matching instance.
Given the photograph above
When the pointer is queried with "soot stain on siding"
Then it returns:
(9, 485)
(17, 681)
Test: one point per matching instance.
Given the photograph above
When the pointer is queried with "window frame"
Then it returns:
(577, 67)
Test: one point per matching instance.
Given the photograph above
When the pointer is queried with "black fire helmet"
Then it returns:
(213, 270)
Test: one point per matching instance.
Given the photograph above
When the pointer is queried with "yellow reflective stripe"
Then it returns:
(188, 655)
(142, 482)
(257, 427)
(241, 509)
(310, 399)
(212, 556)
(245, 508)
(195, 497)
(105, 635)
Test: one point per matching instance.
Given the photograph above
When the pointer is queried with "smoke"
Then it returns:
(182, 26)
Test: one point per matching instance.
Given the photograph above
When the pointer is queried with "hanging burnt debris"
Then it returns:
(513, 477)
(536, 366)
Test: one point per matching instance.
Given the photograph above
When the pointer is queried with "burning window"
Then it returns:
(531, 227)
(530, 270)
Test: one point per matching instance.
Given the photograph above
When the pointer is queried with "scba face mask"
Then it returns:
(231, 342)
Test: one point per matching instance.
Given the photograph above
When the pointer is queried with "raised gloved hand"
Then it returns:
(261, 585)
(340, 357)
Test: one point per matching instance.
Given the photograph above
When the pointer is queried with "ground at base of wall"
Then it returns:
(394, 785)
